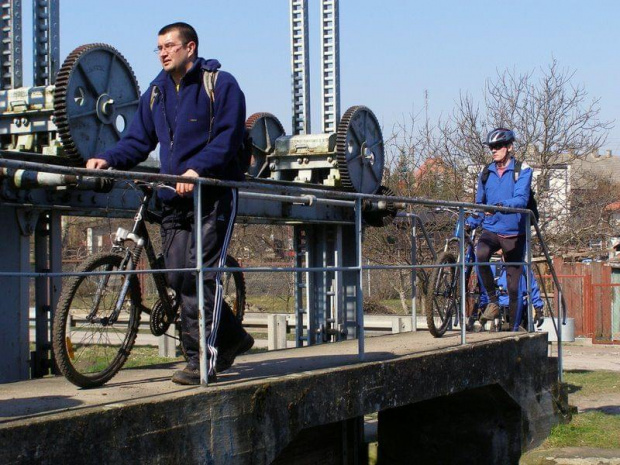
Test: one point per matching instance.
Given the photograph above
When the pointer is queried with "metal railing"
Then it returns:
(304, 195)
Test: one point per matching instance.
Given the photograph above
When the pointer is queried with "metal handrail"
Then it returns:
(308, 196)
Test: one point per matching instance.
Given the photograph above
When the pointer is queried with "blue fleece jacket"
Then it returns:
(505, 192)
(180, 121)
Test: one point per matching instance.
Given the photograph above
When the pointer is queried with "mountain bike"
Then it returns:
(443, 294)
(98, 315)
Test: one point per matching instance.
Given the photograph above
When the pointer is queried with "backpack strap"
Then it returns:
(484, 177)
(209, 78)
(517, 170)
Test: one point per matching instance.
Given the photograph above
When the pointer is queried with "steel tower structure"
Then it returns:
(300, 67)
(11, 43)
(330, 65)
(19, 224)
(46, 41)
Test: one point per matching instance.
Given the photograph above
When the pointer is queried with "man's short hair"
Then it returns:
(186, 32)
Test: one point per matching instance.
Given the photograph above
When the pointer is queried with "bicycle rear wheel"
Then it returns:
(90, 348)
(441, 300)
(233, 283)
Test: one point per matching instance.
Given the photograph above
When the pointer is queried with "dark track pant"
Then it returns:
(219, 209)
(513, 248)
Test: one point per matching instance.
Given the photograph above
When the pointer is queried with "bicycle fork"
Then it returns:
(128, 264)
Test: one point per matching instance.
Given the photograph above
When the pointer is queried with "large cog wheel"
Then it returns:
(360, 150)
(95, 99)
(264, 129)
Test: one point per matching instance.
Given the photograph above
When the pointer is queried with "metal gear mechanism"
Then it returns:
(96, 98)
(359, 150)
(382, 214)
(264, 129)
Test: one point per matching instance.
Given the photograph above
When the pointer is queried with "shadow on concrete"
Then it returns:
(33, 405)
(253, 370)
(133, 382)
(607, 409)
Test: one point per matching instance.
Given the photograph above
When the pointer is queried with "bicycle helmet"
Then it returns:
(500, 136)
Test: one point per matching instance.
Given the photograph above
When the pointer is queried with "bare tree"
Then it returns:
(555, 120)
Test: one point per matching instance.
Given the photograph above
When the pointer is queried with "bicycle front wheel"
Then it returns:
(91, 340)
(442, 301)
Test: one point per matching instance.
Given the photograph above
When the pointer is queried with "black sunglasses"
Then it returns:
(498, 146)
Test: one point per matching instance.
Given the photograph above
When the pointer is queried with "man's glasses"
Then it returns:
(493, 147)
(168, 48)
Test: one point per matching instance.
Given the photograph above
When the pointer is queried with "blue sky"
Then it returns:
(392, 51)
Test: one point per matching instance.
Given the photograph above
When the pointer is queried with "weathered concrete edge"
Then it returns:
(254, 421)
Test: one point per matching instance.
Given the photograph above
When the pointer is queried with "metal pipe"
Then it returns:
(462, 275)
(528, 270)
(359, 291)
(414, 261)
(29, 179)
(202, 330)
(416, 219)
(263, 269)
(556, 281)
(250, 185)
(559, 335)
(306, 200)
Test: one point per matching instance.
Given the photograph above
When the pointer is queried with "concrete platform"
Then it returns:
(261, 405)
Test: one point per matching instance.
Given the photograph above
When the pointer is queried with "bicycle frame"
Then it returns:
(470, 257)
(139, 237)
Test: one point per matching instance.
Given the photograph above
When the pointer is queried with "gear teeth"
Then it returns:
(60, 96)
(253, 119)
(341, 144)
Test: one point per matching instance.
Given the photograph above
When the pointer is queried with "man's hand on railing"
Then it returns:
(97, 164)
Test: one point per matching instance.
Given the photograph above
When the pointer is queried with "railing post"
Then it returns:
(559, 334)
(414, 273)
(528, 274)
(461, 266)
(360, 276)
(204, 370)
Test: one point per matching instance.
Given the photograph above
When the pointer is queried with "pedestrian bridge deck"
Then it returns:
(266, 399)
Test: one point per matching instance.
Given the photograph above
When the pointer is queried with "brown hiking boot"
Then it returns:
(490, 313)
(190, 375)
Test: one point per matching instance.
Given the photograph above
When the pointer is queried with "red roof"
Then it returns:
(613, 206)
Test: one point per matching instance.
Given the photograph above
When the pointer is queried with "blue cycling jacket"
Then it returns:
(180, 120)
(505, 192)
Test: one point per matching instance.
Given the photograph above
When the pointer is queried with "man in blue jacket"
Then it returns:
(505, 231)
(176, 113)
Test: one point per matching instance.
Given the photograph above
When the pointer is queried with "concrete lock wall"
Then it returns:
(504, 385)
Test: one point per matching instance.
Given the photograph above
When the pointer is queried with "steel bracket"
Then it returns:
(27, 220)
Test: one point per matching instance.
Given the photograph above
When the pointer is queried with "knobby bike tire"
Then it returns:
(441, 299)
(90, 353)
(236, 301)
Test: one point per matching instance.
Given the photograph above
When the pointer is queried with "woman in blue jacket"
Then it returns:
(505, 231)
